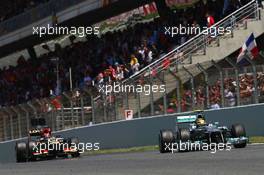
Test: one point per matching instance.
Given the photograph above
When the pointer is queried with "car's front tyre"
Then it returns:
(166, 138)
(237, 131)
(21, 152)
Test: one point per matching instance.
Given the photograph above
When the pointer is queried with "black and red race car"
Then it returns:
(42, 145)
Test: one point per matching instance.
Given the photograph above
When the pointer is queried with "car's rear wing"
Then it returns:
(186, 119)
(34, 132)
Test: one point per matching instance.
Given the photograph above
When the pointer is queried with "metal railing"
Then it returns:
(201, 41)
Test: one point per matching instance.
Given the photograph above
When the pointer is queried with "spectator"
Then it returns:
(230, 97)
(215, 105)
(134, 64)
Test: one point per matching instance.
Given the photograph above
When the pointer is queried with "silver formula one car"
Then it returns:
(197, 132)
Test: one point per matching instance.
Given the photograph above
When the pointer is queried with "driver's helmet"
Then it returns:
(46, 132)
(200, 120)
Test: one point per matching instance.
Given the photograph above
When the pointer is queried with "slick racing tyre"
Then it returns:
(21, 152)
(238, 130)
(184, 134)
(31, 146)
(166, 138)
(75, 142)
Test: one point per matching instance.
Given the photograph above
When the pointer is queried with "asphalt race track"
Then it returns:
(248, 161)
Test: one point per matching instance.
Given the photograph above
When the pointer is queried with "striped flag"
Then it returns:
(249, 46)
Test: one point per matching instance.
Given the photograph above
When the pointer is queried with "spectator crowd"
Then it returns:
(112, 57)
(246, 84)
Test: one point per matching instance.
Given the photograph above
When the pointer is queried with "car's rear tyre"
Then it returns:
(31, 146)
(75, 142)
(238, 130)
(166, 138)
(21, 152)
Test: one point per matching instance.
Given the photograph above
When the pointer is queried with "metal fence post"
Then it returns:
(165, 93)
(62, 117)
(105, 106)
(256, 10)
(139, 104)
(11, 123)
(259, 13)
(256, 93)
(178, 93)
(82, 110)
(33, 108)
(245, 24)
(162, 80)
(192, 85)
(126, 99)
(27, 116)
(203, 70)
(53, 118)
(190, 58)
(4, 127)
(232, 22)
(221, 81)
(204, 46)
(71, 106)
(237, 79)
(218, 41)
(116, 106)
(19, 121)
(151, 94)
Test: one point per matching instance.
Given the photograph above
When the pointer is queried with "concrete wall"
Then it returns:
(141, 132)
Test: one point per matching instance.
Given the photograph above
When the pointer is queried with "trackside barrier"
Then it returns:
(143, 132)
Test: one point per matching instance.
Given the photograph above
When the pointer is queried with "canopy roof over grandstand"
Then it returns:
(85, 19)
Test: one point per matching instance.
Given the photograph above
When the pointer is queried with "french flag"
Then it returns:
(249, 46)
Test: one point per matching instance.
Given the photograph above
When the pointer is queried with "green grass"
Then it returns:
(123, 150)
(256, 139)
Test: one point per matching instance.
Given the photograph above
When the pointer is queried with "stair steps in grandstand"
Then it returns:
(227, 46)
(170, 81)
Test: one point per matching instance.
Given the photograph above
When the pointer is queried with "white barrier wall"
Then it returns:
(142, 132)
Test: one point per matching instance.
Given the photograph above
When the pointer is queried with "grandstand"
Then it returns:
(57, 77)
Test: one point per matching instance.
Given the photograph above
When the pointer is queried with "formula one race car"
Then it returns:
(42, 145)
(199, 133)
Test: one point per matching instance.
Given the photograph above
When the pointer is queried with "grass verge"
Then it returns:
(256, 139)
(123, 150)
